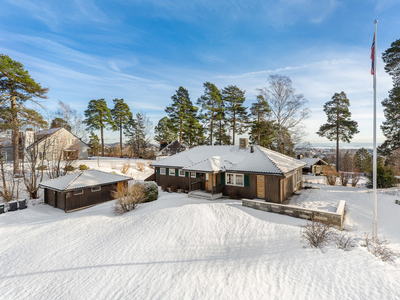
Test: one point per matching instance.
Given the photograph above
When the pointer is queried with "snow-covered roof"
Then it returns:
(83, 179)
(311, 161)
(48, 131)
(231, 158)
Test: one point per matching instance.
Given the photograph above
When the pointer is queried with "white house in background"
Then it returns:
(51, 143)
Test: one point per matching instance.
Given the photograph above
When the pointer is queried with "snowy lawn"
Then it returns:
(184, 248)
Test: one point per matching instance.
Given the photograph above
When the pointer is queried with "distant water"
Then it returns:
(343, 145)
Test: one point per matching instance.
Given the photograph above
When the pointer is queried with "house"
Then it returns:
(57, 141)
(170, 149)
(314, 165)
(81, 189)
(236, 171)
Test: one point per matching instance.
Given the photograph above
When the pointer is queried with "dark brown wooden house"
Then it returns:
(314, 165)
(235, 171)
(81, 189)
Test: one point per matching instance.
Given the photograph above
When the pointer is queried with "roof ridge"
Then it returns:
(271, 160)
(73, 180)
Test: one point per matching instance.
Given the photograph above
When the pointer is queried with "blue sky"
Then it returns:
(143, 51)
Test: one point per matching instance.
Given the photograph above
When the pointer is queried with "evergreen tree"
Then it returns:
(236, 113)
(94, 143)
(58, 122)
(210, 106)
(384, 177)
(163, 131)
(221, 131)
(121, 114)
(261, 128)
(98, 117)
(391, 58)
(16, 87)
(178, 112)
(138, 131)
(363, 160)
(193, 133)
(391, 126)
(339, 125)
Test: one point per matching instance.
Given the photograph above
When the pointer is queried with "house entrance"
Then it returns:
(260, 186)
(210, 181)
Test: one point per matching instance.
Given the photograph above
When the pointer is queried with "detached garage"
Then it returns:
(81, 189)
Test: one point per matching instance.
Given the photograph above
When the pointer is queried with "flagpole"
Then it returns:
(375, 204)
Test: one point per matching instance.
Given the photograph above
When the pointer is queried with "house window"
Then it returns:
(56, 142)
(181, 173)
(96, 189)
(70, 141)
(78, 192)
(172, 172)
(207, 176)
(235, 179)
(162, 171)
(193, 174)
(4, 155)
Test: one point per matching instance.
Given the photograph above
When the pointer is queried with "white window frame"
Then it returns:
(192, 173)
(56, 142)
(96, 189)
(172, 173)
(207, 176)
(181, 173)
(234, 183)
(70, 141)
(78, 192)
(163, 171)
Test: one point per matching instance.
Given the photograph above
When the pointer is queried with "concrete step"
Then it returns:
(204, 195)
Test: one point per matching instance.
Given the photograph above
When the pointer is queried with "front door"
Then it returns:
(261, 186)
(209, 182)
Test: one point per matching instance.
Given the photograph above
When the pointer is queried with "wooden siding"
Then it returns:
(60, 200)
(286, 188)
(89, 198)
(180, 182)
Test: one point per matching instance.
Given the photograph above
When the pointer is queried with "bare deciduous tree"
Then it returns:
(287, 109)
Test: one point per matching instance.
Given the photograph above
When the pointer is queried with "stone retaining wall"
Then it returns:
(335, 218)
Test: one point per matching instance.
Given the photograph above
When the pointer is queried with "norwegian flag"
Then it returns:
(373, 55)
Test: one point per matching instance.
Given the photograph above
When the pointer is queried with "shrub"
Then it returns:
(344, 178)
(42, 167)
(330, 175)
(355, 178)
(384, 177)
(343, 242)
(83, 167)
(379, 248)
(69, 168)
(140, 166)
(164, 188)
(125, 168)
(316, 234)
(173, 189)
(128, 197)
(151, 189)
(113, 172)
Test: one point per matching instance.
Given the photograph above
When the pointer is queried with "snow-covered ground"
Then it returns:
(183, 248)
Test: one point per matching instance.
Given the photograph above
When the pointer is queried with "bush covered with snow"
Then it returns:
(151, 189)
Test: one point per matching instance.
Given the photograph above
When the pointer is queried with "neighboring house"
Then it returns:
(314, 165)
(243, 171)
(81, 189)
(171, 149)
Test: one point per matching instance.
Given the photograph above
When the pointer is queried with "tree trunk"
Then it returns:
(337, 137)
(258, 128)
(102, 142)
(180, 135)
(234, 124)
(15, 134)
(120, 137)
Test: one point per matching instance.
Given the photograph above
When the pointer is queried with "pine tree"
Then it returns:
(163, 131)
(236, 113)
(391, 126)
(16, 87)
(339, 125)
(121, 114)
(221, 131)
(98, 117)
(58, 122)
(209, 103)
(178, 111)
(261, 127)
(363, 160)
(193, 133)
